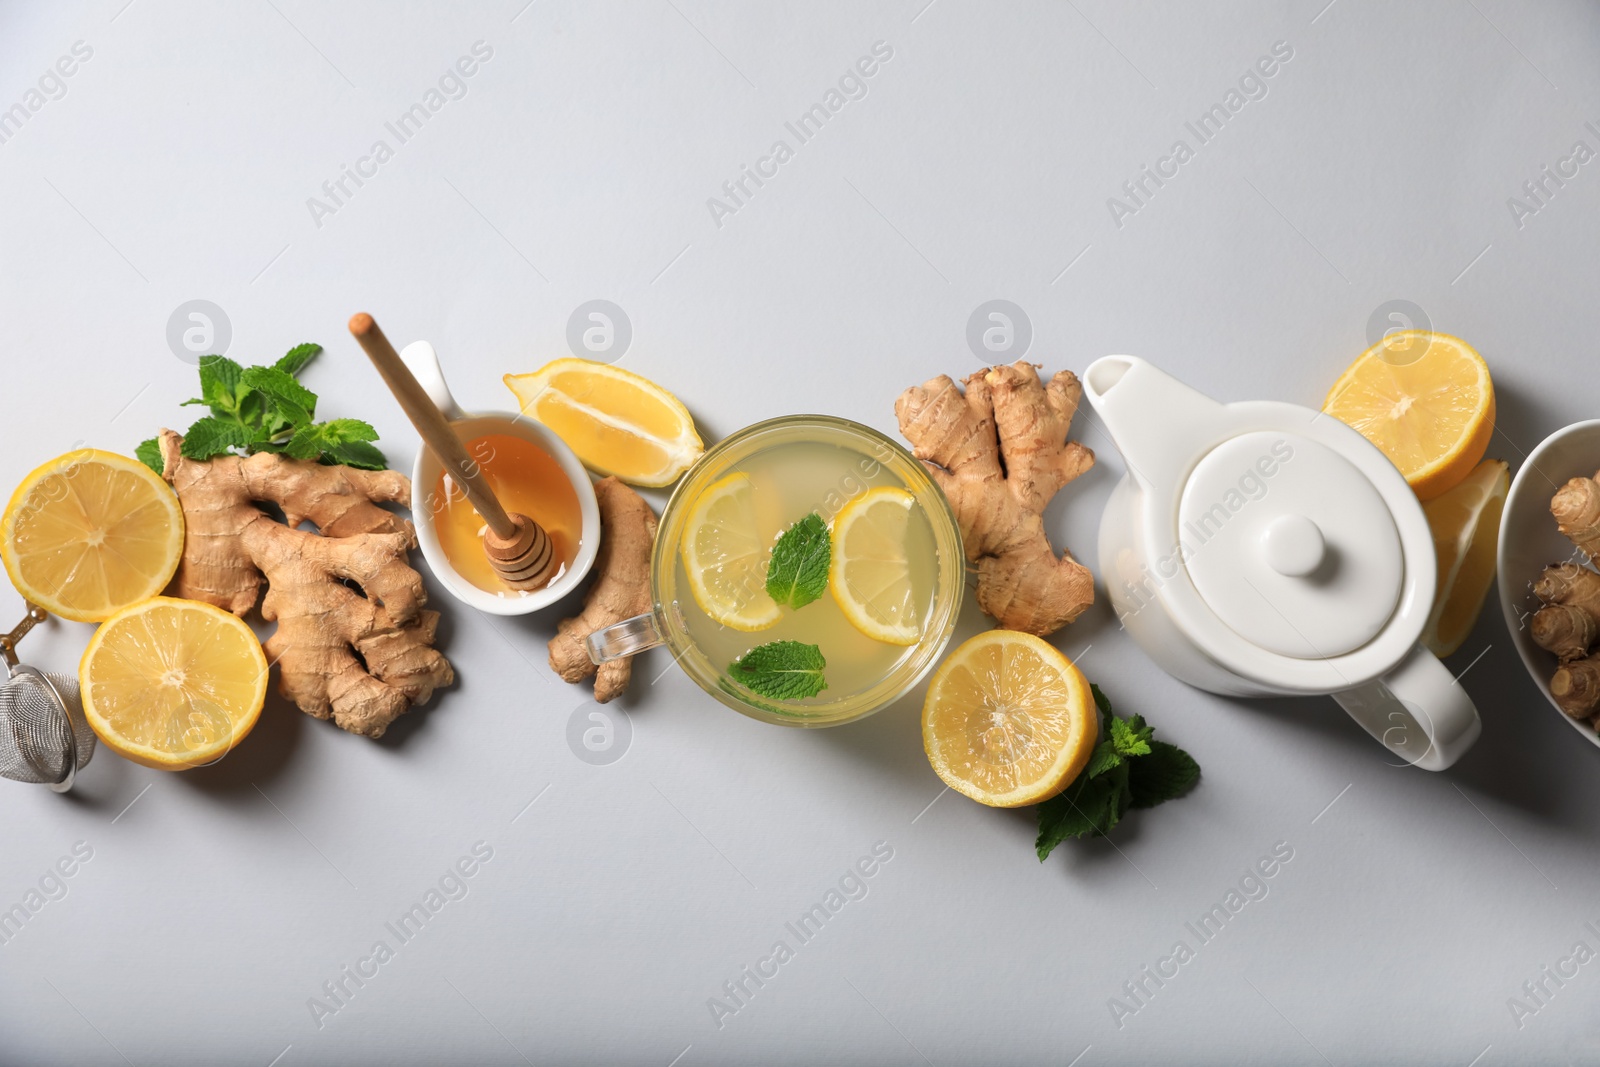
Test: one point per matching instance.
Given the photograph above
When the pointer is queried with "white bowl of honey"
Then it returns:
(532, 472)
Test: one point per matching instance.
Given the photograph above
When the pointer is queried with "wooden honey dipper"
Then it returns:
(518, 548)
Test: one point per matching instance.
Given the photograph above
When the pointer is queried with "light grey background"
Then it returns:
(178, 165)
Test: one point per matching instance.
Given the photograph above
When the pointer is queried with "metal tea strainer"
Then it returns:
(44, 739)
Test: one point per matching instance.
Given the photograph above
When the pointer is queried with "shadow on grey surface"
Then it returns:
(1518, 429)
(886, 745)
(259, 758)
(1527, 756)
(1516, 760)
(104, 785)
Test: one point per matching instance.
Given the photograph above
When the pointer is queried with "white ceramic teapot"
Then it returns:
(1266, 549)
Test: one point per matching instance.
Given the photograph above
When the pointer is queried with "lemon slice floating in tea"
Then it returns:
(871, 574)
(1009, 720)
(725, 556)
(172, 684)
(89, 533)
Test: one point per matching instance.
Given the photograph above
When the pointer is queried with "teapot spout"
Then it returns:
(1156, 422)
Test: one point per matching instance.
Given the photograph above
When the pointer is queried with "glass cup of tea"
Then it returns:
(788, 468)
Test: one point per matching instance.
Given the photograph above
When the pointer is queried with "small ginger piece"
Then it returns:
(1563, 629)
(1576, 687)
(1572, 584)
(360, 656)
(1576, 507)
(1000, 453)
(622, 590)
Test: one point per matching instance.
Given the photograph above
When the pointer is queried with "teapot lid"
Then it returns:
(1290, 545)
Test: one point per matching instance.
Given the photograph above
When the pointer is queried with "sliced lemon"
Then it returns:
(870, 576)
(91, 532)
(172, 684)
(617, 422)
(1426, 400)
(1008, 720)
(1466, 536)
(725, 555)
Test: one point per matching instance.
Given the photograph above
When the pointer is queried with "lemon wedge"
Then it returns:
(1466, 537)
(616, 421)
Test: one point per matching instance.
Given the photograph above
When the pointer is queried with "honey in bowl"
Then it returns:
(527, 480)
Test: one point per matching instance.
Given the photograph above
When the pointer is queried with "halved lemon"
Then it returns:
(1009, 720)
(1426, 400)
(1466, 536)
(91, 532)
(172, 684)
(616, 421)
(870, 576)
(725, 551)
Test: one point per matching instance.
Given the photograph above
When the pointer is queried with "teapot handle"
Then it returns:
(1418, 711)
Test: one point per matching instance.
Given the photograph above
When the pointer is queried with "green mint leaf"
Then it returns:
(254, 412)
(798, 571)
(220, 379)
(356, 454)
(340, 431)
(292, 402)
(1104, 757)
(213, 437)
(296, 358)
(1090, 807)
(1166, 773)
(781, 670)
(307, 443)
(1127, 769)
(149, 453)
(1131, 737)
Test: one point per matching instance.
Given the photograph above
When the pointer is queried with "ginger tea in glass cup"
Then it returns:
(755, 485)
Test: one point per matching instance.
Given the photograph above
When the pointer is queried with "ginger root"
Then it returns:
(360, 656)
(1563, 629)
(1568, 625)
(1576, 507)
(1570, 583)
(622, 590)
(1000, 453)
(1576, 687)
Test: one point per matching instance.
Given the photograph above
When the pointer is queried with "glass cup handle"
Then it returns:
(625, 638)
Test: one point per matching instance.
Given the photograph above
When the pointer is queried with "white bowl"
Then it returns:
(1529, 542)
(424, 364)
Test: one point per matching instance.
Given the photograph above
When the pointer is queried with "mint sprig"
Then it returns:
(797, 574)
(1127, 769)
(781, 670)
(266, 409)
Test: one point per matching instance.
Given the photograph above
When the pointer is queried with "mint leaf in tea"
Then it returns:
(798, 571)
(781, 670)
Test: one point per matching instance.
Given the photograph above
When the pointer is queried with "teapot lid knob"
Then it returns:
(1290, 545)
(1293, 545)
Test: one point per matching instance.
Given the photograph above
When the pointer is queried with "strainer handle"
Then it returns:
(8, 642)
